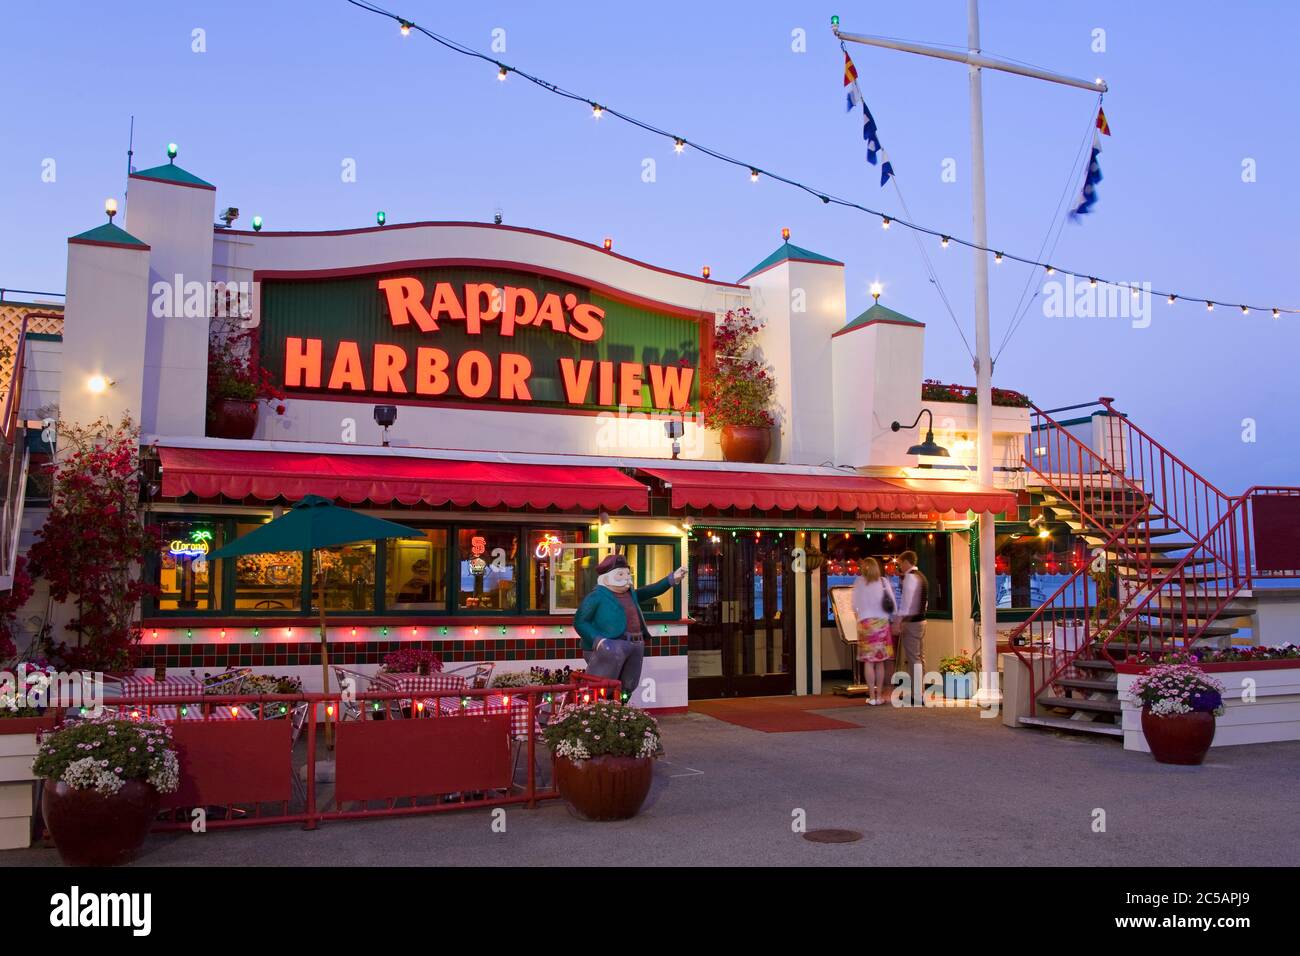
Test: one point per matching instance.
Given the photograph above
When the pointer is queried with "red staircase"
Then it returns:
(1169, 558)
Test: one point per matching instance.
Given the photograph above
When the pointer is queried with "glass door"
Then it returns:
(742, 608)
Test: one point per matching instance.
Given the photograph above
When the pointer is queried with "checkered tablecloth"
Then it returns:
(169, 687)
(418, 683)
(167, 712)
(481, 706)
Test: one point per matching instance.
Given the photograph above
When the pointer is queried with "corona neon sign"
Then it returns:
(197, 546)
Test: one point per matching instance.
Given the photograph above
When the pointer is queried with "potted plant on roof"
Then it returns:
(604, 757)
(1179, 704)
(237, 383)
(103, 780)
(741, 389)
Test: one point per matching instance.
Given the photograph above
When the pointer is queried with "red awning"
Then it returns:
(765, 491)
(383, 480)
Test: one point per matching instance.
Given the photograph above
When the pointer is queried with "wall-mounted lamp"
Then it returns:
(604, 518)
(385, 416)
(927, 447)
(99, 384)
(674, 428)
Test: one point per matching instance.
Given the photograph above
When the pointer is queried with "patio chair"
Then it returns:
(476, 675)
(352, 709)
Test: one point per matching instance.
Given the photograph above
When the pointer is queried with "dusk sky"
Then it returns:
(286, 92)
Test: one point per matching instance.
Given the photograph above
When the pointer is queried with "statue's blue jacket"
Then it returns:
(600, 615)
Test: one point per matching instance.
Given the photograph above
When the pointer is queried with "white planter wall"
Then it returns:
(1273, 715)
(16, 790)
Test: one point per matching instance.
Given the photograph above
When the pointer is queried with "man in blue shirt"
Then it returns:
(611, 624)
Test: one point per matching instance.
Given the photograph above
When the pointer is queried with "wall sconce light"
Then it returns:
(385, 417)
(604, 518)
(927, 447)
(674, 428)
(99, 384)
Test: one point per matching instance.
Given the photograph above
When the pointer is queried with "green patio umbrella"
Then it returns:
(310, 525)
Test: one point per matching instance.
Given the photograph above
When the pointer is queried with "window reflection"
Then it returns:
(416, 572)
(349, 576)
(267, 582)
(186, 580)
(544, 547)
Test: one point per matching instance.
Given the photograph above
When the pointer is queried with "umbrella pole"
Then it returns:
(325, 659)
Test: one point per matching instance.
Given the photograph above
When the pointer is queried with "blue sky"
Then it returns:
(286, 91)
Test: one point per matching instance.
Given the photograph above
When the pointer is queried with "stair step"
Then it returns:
(1082, 703)
(1195, 610)
(1074, 726)
(1155, 532)
(1094, 664)
(1142, 545)
(1085, 683)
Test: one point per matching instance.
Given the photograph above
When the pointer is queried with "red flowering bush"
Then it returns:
(233, 370)
(741, 388)
(932, 390)
(10, 602)
(93, 543)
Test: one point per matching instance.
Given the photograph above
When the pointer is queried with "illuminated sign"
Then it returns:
(196, 547)
(479, 335)
(550, 546)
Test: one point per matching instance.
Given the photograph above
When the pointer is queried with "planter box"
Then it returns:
(17, 790)
(1273, 715)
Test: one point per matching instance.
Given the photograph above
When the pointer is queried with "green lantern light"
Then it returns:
(835, 23)
(171, 152)
(381, 217)
(257, 224)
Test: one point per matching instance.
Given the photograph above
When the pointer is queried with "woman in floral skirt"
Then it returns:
(873, 606)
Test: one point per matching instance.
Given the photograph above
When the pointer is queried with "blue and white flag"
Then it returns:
(1088, 195)
(875, 152)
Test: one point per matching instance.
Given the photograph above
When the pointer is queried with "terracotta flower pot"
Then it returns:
(91, 829)
(746, 442)
(604, 788)
(232, 418)
(1178, 738)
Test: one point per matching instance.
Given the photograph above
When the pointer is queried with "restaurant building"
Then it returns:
(533, 376)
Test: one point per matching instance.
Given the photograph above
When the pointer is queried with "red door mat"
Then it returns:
(777, 715)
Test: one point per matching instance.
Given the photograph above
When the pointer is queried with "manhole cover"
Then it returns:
(833, 836)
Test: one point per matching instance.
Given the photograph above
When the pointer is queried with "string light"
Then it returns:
(1172, 298)
(997, 258)
(1245, 311)
(884, 222)
(1051, 271)
(679, 144)
(1209, 306)
(502, 74)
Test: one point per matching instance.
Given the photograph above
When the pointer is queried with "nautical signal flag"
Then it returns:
(1088, 195)
(875, 152)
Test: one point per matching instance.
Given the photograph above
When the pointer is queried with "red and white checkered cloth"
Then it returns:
(167, 712)
(418, 683)
(169, 687)
(495, 704)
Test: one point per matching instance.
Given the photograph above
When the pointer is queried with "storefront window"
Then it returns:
(187, 581)
(349, 576)
(652, 561)
(843, 553)
(267, 582)
(1031, 568)
(416, 572)
(488, 559)
(544, 548)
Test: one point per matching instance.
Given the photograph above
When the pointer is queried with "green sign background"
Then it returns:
(354, 307)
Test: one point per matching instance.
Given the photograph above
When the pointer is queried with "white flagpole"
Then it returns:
(975, 61)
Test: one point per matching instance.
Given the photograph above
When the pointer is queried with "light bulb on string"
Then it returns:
(1276, 314)
(1051, 271)
(753, 175)
(943, 242)
(997, 258)
(1172, 298)
(503, 73)
(1209, 306)
(884, 222)
(406, 27)
(1092, 280)
(597, 111)
(1245, 311)
(679, 144)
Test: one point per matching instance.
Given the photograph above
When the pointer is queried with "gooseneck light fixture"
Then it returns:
(927, 447)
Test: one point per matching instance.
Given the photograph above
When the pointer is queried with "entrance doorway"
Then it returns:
(741, 639)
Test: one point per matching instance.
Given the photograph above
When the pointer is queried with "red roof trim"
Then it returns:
(381, 480)
(112, 245)
(854, 328)
(630, 298)
(175, 182)
(767, 491)
(483, 225)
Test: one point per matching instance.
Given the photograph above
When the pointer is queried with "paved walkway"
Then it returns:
(925, 787)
